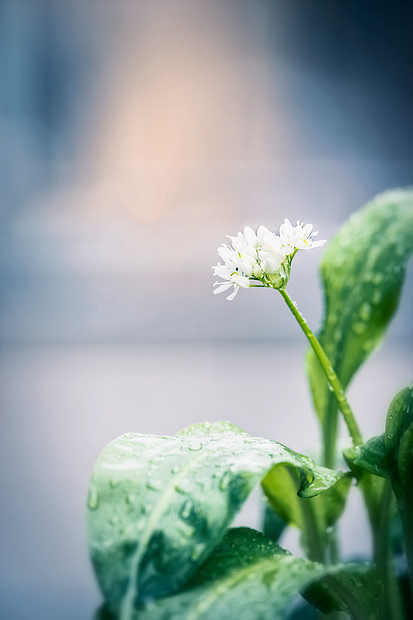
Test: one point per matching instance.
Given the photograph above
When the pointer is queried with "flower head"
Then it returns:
(298, 237)
(263, 256)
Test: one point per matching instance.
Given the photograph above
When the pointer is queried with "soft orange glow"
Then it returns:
(180, 96)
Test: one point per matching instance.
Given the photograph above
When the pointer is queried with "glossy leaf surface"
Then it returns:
(159, 505)
(362, 270)
(250, 577)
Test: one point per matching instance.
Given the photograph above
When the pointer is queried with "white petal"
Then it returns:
(250, 236)
(314, 244)
(263, 234)
(307, 230)
(241, 280)
(231, 297)
(222, 271)
(227, 254)
(222, 288)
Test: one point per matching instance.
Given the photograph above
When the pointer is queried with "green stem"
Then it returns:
(329, 438)
(313, 534)
(333, 546)
(404, 504)
(329, 371)
(314, 542)
(390, 605)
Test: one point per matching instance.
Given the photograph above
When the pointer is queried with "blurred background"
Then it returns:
(135, 135)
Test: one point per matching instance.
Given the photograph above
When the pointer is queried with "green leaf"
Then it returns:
(250, 577)
(389, 455)
(353, 588)
(159, 505)
(313, 516)
(399, 418)
(372, 456)
(362, 270)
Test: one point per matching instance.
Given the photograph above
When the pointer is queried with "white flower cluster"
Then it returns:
(262, 256)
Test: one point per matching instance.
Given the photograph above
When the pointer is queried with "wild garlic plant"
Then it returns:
(160, 507)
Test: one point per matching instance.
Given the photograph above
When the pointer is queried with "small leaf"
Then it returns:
(362, 269)
(159, 505)
(388, 455)
(249, 577)
(281, 484)
(313, 516)
(372, 456)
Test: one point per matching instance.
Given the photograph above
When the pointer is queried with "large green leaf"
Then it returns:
(362, 271)
(158, 505)
(314, 516)
(250, 577)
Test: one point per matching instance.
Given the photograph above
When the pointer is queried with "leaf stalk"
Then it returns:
(328, 369)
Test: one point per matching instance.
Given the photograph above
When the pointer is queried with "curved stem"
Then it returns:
(329, 371)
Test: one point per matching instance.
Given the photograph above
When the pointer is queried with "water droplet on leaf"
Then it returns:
(154, 485)
(225, 480)
(93, 499)
(186, 509)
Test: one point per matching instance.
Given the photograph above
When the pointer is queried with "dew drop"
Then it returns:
(141, 523)
(187, 531)
(337, 335)
(154, 485)
(359, 327)
(195, 447)
(365, 311)
(186, 509)
(197, 551)
(130, 499)
(225, 480)
(93, 499)
(376, 297)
